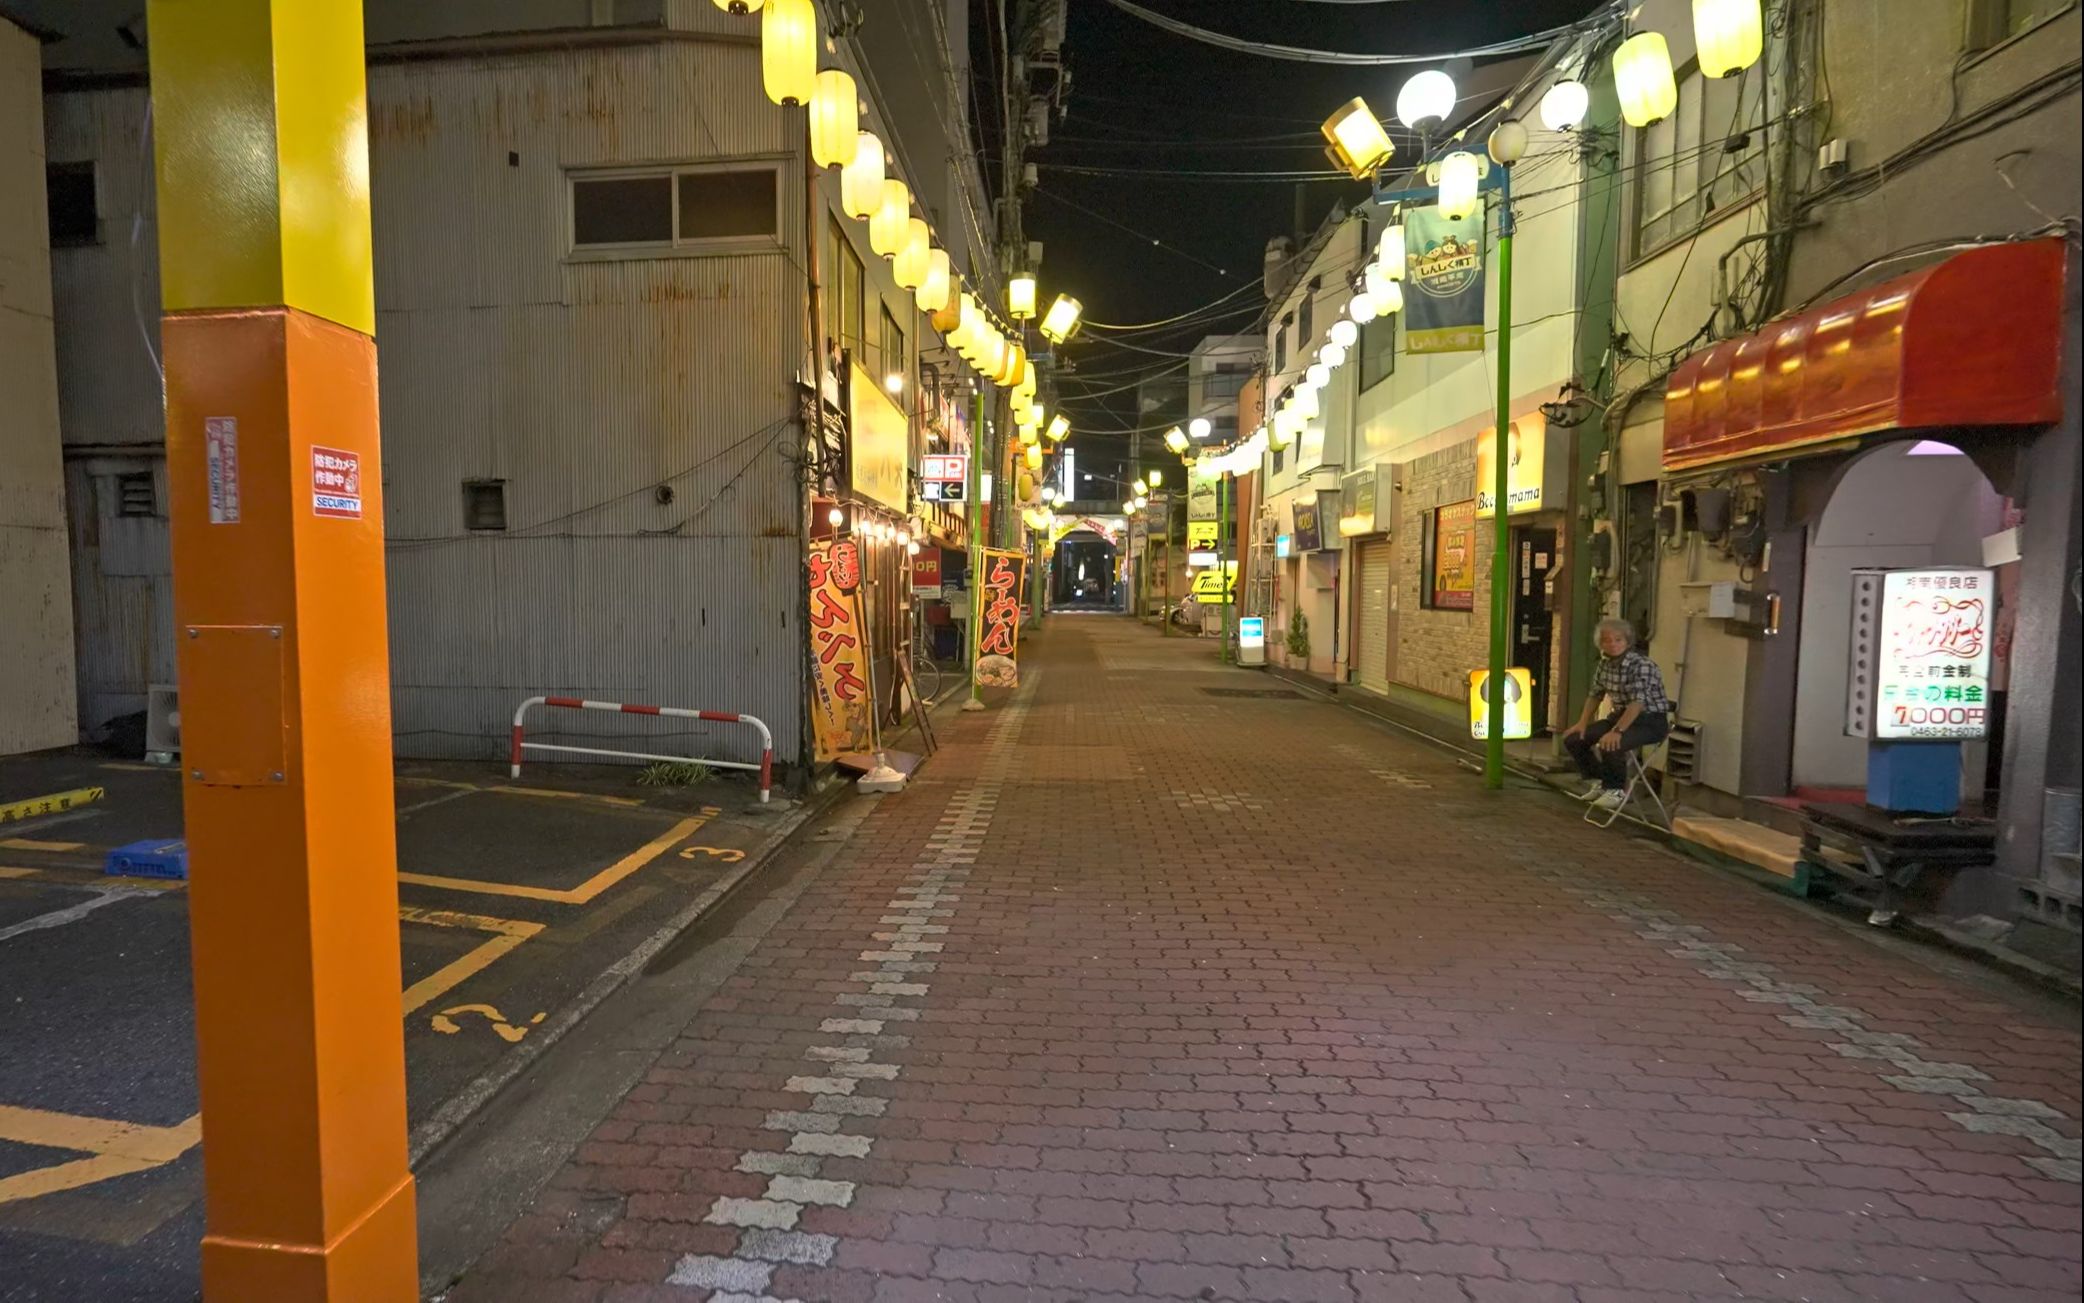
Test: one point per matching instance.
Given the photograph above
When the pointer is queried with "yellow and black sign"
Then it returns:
(55, 803)
(1519, 703)
(1201, 535)
(1216, 587)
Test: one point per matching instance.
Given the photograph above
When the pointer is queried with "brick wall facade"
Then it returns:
(1436, 649)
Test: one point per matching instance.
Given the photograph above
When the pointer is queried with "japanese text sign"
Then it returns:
(839, 649)
(336, 483)
(1921, 642)
(1000, 634)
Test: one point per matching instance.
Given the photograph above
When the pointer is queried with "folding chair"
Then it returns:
(1639, 786)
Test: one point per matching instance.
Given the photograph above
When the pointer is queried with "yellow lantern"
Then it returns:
(1391, 299)
(1059, 428)
(891, 219)
(1156, 477)
(1061, 319)
(861, 180)
(1459, 175)
(739, 6)
(908, 268)
(1020, 295)
(1033, 456)
(932, 295)
(1016, 358)
(1643, 79)
(1390, 252)
(789, 50)
(1374, 278)
(1305, 403)
(1355, 139)
(1728, 35)
(835, 119)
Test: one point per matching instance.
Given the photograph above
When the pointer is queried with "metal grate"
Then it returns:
(1682, 752)
(136, 494)
(484, 505)
(1259, 694)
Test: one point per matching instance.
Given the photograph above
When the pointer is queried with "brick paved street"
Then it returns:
(1143, 992)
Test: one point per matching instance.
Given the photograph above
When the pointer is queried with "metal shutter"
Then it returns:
(1371, 639)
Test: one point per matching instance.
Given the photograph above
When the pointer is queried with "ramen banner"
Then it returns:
(999, 638)
(839, 647)
(1443, 282)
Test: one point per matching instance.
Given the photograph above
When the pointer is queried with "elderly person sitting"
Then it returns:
(1640, 715)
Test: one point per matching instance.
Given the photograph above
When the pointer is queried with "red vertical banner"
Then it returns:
(998, 599)
(839, 648)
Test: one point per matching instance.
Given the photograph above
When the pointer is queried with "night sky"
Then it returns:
(1144, 101)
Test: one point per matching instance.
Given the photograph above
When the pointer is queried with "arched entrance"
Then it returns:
(1083, 573)
(1917, 502)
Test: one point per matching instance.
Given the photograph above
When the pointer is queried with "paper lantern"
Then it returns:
(909, 267)
(861, 180)
(932, 295)
(1728, 35)
(835, 119)
(888, 224)
(1643, 79)
(1390, 251)
(1459, 175)
(789, 50)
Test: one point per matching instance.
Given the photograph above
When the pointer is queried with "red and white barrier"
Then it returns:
(766, 765)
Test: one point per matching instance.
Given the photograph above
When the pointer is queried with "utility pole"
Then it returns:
(276, 491)
(1501, 513)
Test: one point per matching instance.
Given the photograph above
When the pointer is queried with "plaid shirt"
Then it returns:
(1632, 678)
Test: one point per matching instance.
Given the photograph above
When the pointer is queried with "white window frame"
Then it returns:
(675, 247)
(1679, 138)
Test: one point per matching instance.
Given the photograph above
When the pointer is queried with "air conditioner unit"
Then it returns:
(162, 724)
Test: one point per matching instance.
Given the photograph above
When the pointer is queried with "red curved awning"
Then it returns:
(1973, 340)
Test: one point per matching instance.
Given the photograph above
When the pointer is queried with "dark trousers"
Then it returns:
(1611, 767)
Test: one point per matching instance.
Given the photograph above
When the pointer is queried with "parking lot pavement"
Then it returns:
(517, 900)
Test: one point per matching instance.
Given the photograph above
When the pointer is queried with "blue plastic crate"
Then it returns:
(149, 859)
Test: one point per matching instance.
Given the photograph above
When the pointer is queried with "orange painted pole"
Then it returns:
(260, 114)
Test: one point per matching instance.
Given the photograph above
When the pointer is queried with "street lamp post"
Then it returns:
(1501, 538)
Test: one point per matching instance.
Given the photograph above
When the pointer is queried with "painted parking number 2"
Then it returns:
(336, 483)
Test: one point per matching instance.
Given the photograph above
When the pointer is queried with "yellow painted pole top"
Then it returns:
(261, 119)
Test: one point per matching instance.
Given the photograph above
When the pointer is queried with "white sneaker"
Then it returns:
(1611, 799)
(1585, 790)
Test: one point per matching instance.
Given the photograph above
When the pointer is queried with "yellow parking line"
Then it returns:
(119, 1148)
(508, 933)
(586, 890)
(29, 844)
(6, 872)
(626, 802)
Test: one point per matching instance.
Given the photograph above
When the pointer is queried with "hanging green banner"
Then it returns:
(1443, 282)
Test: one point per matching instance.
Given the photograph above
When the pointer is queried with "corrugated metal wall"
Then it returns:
(587, 386)
(590, 388)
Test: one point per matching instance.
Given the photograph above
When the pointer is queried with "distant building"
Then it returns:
(592, 244)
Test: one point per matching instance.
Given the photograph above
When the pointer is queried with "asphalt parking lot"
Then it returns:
(517, 902)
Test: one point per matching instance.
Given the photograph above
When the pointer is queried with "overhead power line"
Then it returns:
(1299, 54)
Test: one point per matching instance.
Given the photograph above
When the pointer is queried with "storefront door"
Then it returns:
(1532, 624)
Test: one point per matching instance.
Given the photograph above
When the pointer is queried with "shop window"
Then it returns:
(890, 348)
(1305, 317)
(845, 292)
(1993, 22)
(676, 208)
(1709, 155)
(1378, 350)
(1281, 343)
(74, 204)
(1449, 545)
(485, 506)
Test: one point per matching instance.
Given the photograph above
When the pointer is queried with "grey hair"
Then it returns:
(1617, 623)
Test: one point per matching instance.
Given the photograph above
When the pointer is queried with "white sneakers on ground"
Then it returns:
(1611, 799)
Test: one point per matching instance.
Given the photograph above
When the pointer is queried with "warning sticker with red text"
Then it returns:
(336, 483)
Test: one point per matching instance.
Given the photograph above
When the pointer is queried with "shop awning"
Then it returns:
(1975, 339)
